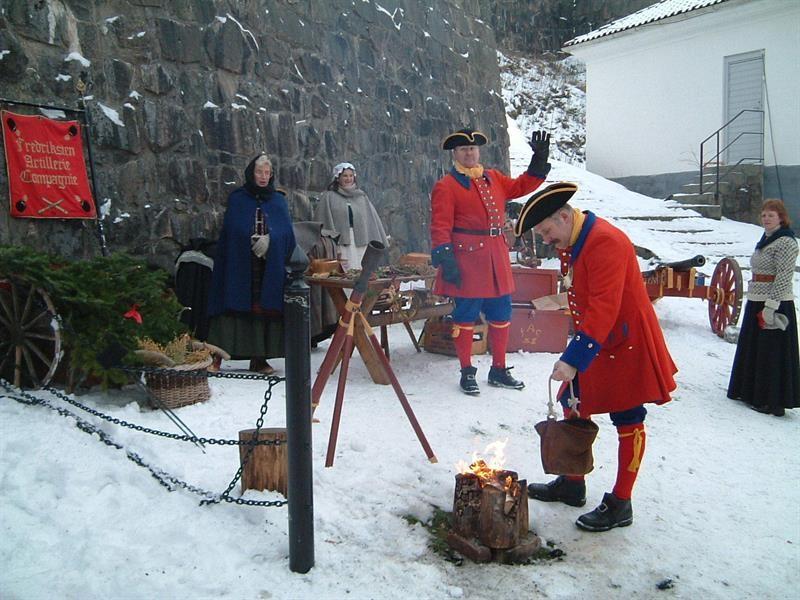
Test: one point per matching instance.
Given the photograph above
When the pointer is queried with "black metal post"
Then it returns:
(296, 318)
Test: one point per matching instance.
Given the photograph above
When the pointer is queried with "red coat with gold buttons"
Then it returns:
(618, 347)
(478, 205)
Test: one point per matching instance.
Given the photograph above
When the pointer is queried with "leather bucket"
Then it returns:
(566, 445)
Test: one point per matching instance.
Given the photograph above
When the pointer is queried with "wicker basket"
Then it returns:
(180, 385)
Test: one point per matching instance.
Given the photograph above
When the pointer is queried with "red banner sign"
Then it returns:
(46, 171)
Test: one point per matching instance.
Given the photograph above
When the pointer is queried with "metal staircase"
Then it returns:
(721, 174)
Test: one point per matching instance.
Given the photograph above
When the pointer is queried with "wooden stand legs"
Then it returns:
(342, 342)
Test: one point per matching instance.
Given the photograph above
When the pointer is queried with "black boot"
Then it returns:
(560, 489)
(778, 411)
(501, 377)
(468, 383)
(612, 512)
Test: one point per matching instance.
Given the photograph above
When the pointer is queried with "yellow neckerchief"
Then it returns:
(577, 223)
(471, 172)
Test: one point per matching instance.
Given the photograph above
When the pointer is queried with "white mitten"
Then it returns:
(772, 319)
(259, 244)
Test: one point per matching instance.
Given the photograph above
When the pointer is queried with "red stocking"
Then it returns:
(629, 456)
(462, 339)
(498, 340)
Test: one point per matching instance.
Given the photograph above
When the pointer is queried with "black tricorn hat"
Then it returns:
(464, 137)
(543, 204)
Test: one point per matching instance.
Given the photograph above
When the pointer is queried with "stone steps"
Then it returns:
(708, 187)
(709, 211)
(695, 198)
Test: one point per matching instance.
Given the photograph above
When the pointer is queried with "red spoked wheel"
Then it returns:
(725, 295)
(30, 337)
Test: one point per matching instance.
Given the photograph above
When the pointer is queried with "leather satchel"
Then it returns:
(566, 445)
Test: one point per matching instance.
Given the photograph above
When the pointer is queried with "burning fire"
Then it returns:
(487, 469)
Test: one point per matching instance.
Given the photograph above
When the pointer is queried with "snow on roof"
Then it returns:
(649, 14)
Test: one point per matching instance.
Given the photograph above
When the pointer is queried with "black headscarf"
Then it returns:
(250, 182)
(767, 240)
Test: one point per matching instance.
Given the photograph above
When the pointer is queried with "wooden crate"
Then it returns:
(533, 283)
(438, 337)
(545, 331)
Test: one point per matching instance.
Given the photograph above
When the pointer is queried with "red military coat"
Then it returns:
(618, 347)
(477, 205)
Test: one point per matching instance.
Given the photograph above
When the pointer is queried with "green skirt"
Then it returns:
(247, 336)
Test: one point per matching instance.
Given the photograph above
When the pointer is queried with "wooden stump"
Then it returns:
(499, 521)
(466, 505)
(490, 523)
(267, 468)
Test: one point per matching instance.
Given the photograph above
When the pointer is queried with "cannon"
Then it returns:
(724, 292)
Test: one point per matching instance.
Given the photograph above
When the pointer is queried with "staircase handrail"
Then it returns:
(716, 135)
(731, 143)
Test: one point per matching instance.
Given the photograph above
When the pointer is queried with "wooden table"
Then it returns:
(379, 316)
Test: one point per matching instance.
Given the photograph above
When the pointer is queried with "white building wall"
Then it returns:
(654, 93)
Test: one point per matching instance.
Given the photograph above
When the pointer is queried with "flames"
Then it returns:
(488, 470)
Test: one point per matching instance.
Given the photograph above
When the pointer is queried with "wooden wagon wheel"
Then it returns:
(725, 295)
(30, 340)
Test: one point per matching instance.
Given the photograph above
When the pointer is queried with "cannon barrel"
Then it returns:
(372, 257)
(683, 265)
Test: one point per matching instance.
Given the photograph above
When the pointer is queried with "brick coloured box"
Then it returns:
(438, 337)
(539, 331)
(533, 283)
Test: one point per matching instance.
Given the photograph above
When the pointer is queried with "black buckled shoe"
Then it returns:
(560, 489)
(612, 512)
(501, 377)
(468, 383)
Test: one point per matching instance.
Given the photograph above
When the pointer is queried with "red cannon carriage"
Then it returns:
(723, 292)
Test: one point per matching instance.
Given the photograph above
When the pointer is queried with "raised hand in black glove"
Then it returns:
(443, 257)
(540, 144)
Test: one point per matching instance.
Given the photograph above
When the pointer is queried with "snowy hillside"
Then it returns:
(549, 94)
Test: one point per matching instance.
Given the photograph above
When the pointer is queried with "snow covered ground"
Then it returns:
(716, 504)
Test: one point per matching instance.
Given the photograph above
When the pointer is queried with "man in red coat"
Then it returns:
(617, 359)
(468, 208)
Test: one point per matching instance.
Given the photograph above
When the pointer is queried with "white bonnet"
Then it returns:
(337, 170)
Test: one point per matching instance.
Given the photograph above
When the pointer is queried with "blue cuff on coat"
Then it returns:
(581, 351)
(440, 253)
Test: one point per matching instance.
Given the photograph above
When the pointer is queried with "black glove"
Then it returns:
(540, 144)
(443, 257)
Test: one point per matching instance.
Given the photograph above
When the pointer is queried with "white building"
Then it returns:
(663, 79)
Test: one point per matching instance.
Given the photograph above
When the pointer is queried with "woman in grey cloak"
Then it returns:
(346, 209)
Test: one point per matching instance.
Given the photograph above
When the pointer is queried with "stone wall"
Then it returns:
(182, 94)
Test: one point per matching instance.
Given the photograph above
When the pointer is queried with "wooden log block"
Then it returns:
(524, 516)
(527, 547)
(498, 523)
(466, 505)
(469, 547)
(267, 468)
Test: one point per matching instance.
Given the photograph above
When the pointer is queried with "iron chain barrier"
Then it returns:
(168, 481)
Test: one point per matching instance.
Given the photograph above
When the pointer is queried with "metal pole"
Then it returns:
(296, 318)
